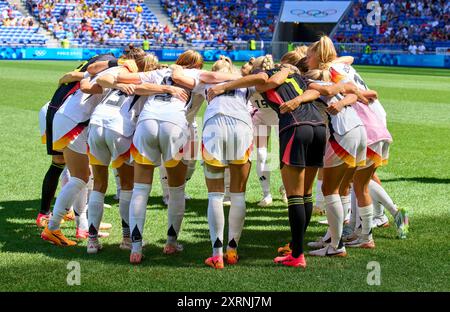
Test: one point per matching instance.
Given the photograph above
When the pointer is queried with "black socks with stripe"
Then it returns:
(49, 186)
(297, 221)
(308, 202)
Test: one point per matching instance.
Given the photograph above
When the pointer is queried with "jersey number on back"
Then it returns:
(165, 97)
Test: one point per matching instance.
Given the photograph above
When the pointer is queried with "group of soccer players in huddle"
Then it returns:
(135, 114)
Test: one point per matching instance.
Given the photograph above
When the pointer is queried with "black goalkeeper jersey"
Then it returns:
(67, 89)
(310, 113)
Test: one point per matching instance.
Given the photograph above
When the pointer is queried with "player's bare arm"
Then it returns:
(348, 100)
(307, 96)
(87, 87)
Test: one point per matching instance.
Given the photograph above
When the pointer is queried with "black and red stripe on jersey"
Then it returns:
(62, 93)
(310, 113)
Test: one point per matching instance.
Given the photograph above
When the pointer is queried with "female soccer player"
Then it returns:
(226, 142)
(301, 125)
(70, 137)
(263, 118)
(161, 131)
(68, 84)
(320, 55)
(345, 150)
(111, 129)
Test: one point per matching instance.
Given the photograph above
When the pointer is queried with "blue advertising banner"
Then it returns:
(9, 53)
(213, 55)
(407, 60)
(386, 59)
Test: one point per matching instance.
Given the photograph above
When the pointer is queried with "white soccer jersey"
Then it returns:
(232, 103)
(118, 112)
(347, 119)
(265, 115)
(166, 107)
(79, 106)
(342, 71)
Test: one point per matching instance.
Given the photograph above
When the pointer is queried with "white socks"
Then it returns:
(216, 221)
(319, 195)
(80, 209)
(366, 214)
(175, 213)
(261, 169)
(347, 205)
(65, 176)
(236, 219)
(65, 200)
(379, 195)
(164, 181)
(95, 215)
(138, 209)
(124, 208)
(335, 217)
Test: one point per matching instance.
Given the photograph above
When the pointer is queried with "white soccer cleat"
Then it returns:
(107, 206)
(266, 201)
(352, 236)
(380, 221)
(93, 246)
(363, 241)
(329, 251)
(321, 243)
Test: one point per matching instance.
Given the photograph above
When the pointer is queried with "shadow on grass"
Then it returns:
(259, 240)
(425, 180)
(265, 230)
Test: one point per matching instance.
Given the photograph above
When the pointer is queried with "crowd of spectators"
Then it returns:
(10, 16)
(100, 22)
(221, 20)
(406, 23)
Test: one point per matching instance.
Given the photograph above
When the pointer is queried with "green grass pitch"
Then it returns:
(417, 177)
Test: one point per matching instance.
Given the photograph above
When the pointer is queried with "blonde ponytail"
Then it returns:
(324, 51)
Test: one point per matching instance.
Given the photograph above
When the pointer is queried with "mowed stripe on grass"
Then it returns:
(417, 178)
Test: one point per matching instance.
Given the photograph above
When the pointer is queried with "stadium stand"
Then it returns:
(17, 29)
(213, 22)
(403, 23)
(102, 23)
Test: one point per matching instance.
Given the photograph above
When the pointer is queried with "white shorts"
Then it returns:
(154, 139)
(67, 133)
(106, 144)
(43, 122)
(377, 154)
(350, 148)
(226, 140)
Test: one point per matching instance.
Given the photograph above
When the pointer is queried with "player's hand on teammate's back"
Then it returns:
(126, 88)
(289, 106)
(215, 91)
(334, 108)
(179, 93)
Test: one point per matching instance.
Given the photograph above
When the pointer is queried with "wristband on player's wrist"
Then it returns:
(113, 63)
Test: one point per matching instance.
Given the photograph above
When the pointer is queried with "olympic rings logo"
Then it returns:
(40, 52)
(314, 13)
